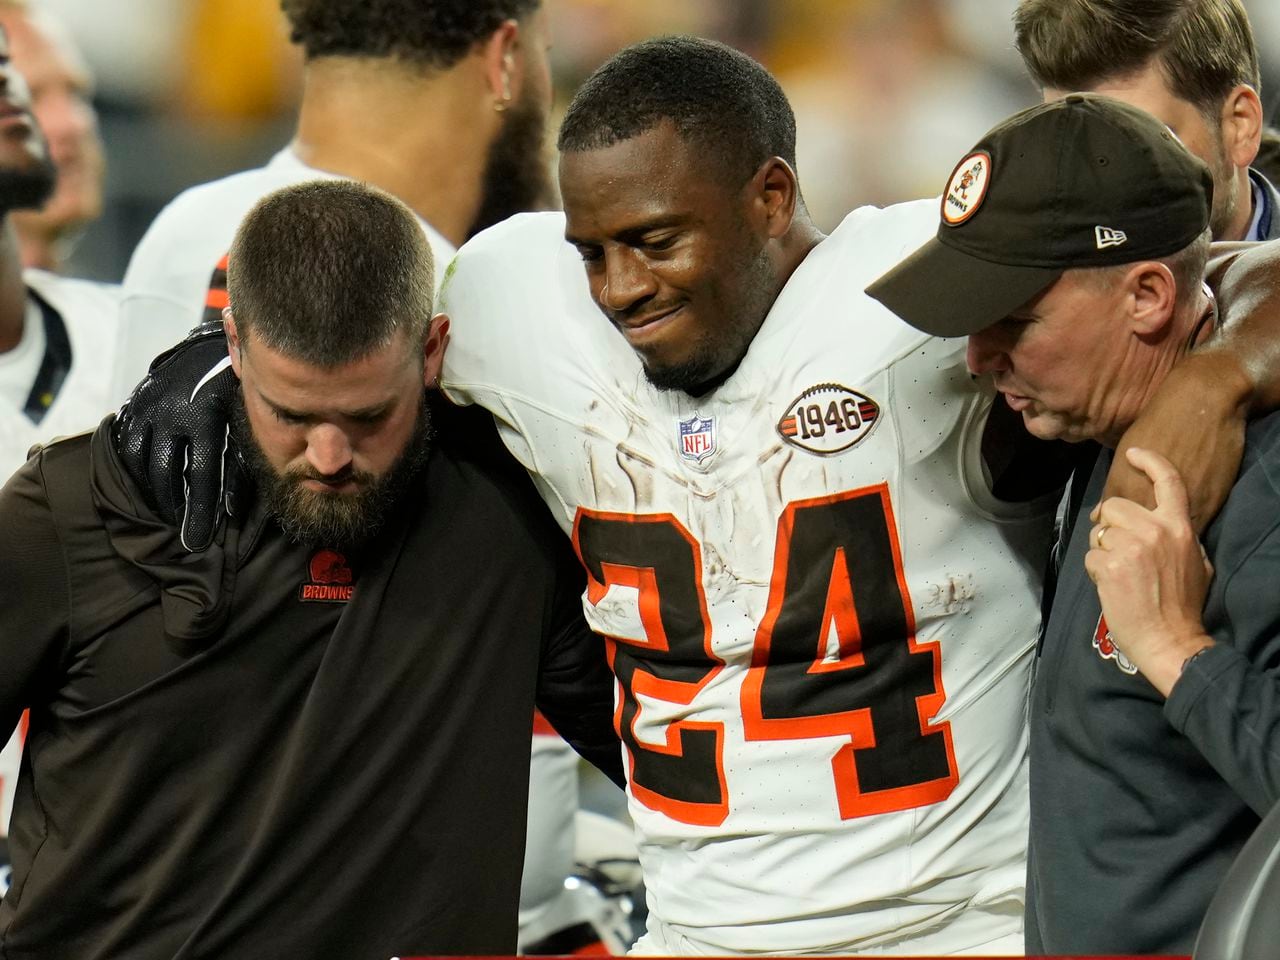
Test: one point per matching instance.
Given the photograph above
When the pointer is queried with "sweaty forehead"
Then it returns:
(654, 175)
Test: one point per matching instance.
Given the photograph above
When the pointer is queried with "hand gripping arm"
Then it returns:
(172, 435)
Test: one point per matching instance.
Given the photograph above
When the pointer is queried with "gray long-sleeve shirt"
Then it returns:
(1138, 805)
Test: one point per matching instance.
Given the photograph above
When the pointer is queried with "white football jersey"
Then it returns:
(89, 314)
(169, 272)
(821, 620)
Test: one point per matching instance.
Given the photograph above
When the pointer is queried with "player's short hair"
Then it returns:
(330, 271)
(428, 33)
(717, 97)
(1204, 47)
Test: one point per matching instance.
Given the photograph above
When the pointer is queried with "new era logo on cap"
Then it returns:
(1108, 237)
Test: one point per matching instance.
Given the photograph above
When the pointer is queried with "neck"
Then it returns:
(797, 245)
(40, 245)
(1238, 229)
(1195, 324)
(13, 292)
(421, 135)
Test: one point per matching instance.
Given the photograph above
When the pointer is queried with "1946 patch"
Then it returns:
(828, 418)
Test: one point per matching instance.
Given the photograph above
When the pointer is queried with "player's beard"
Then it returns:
(716, 353)
(27, 188)
(339, 520)
(517, 176)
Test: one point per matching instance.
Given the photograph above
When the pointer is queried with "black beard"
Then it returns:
(27, 189)
(517, 177)
(716, 356)
(340, 521)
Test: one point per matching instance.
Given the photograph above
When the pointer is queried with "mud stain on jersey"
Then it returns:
(952, 597)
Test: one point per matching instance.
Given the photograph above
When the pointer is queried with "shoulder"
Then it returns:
(1262, 453)
(52, 470)
(483, 490)
(869, 241)
(79, 301)
(508, 285)
(888, 233)
(510, 246)
(1250, 518)
(201, 220)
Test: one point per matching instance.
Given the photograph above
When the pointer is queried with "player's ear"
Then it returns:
(233, 338)
(500, 53)
(433, 345)
(775, 192)
(1152, 294)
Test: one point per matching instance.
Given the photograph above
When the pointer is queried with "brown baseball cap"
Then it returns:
(1085, 181)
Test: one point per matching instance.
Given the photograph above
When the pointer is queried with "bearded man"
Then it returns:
(281, 745)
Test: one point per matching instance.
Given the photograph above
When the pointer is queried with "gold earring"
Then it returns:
(502, 104)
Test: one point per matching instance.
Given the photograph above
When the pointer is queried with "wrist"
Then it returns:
(1165, 668)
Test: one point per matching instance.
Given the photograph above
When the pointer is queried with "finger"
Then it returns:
(202, 492)
(1100, 566)
(164, 474)
(1123, 480)
(1092, 561)
(235, 485)
(1125, 515)
(1170, 492)
(198, 524)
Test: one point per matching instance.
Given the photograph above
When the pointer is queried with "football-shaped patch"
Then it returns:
(828, 418)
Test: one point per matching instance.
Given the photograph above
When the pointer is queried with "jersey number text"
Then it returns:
(835, 656)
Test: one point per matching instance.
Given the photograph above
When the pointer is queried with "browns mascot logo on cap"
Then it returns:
(1085, 181)
(965, 189)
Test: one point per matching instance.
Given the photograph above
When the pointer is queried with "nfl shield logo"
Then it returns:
(697, 438)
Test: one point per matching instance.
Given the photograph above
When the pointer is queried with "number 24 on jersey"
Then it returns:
(837, 572)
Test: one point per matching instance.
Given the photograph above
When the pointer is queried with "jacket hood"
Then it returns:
(196, 589)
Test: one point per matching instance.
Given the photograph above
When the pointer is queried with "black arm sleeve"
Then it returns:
(34, 592)
(575, 684)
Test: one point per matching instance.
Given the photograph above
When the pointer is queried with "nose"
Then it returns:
(328, 450)
(627, 281)
(985, 355)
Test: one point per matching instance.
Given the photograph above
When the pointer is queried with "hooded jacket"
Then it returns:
(267, 749)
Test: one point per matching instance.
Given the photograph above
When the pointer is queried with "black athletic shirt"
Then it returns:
(317, 777)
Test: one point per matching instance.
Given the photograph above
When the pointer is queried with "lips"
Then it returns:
(327, 488)
(11, 114)
(637, 329)
(1016, 402)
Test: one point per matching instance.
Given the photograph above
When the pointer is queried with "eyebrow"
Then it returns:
(632, 234)
(364, 413)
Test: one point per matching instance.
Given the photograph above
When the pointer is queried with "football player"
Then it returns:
(813, 554)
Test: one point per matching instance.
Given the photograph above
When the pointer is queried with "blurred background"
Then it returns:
(888, 93)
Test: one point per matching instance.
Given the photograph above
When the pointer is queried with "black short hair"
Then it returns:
(330, 271)
(717, 97)
(432, 33)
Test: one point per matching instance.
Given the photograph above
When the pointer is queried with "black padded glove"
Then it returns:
(173, 438)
